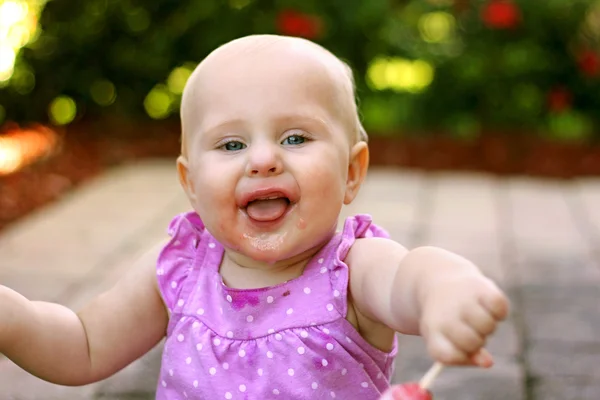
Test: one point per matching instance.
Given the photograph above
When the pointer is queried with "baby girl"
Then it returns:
(257, 294)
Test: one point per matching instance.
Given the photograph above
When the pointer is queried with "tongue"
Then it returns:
(267, 210)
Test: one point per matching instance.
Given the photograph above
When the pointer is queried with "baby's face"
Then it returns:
(268, 152)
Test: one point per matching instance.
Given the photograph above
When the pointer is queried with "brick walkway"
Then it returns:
(539, 239)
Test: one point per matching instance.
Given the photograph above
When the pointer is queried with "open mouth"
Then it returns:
(268, 208)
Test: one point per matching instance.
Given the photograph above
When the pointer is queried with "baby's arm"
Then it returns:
(61, 346)
(427, 291)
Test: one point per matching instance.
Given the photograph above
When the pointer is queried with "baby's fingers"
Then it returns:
(441, 349)
(482, 358)
(495, 302)
(480, 320)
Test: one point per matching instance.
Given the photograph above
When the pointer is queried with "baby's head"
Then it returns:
(272, 145)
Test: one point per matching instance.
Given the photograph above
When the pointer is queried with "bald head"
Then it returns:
(262, 52)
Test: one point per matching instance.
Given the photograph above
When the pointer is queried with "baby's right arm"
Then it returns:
(61, 346)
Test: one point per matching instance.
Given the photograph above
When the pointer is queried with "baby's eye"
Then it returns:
(294, 139)
(234, 145)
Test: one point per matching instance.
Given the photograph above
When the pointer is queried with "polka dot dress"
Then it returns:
(289, 341)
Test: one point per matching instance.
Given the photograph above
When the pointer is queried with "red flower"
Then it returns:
(501, 14)
(294, 23)
(589, 63)
(559, 99)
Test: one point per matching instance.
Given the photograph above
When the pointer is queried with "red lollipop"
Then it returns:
(413, 390)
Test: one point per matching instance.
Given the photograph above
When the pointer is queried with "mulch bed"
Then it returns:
(89, 148)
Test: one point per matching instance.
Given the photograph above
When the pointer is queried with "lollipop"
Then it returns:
(413, 390)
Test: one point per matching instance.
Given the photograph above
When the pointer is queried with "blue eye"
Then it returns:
(294, 140)
(234, 145)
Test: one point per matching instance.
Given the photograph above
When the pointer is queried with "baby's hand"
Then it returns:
(458, 315)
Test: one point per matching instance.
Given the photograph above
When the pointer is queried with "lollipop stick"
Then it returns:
(430, 376)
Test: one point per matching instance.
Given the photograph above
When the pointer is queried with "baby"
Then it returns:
(256, 293)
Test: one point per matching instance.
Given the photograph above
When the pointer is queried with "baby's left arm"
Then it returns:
(427, 291)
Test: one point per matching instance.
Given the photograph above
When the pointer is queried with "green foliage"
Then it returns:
(495, 71)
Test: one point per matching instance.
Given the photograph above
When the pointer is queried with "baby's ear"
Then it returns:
(357, 170)
(183, 172)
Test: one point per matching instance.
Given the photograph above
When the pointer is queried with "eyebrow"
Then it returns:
(283, 119)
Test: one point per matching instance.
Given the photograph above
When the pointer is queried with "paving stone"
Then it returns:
(552, 358)
(90, 221)
(462, 202)
(547, 245)
(566, 388)
(589, 198)
(562, 313)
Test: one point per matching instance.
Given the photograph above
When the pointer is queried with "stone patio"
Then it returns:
(540, 240)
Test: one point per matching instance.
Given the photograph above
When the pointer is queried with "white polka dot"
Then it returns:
(195, 384)
(177, 243)
(195, 242)
(329, 307)
(180, 302)
(336, 293)
(160, 271)
(329, 346)
(278, 336)
(300, 350)
(173, 284)
(323, 270)
(221, 310)
(242, 353)
(180, 338)
(249, 318)
(290, 372)
(307, 290)
(326, 331)
(332, 394)
(164, 384)
(181, 319)
(324, 362)
(314, 385)
(229, 299)
(228, 395)
(337, 274)
(216, 341)
(242, 388)
(304, 334)
(171, 372)
(212, 370)
(269, 354)
(275, 391)
(364, 384)
(225, 366)
(211, 245)
(348, 339)
(200, 311)
(361, 365)
(199, 346)
(270, 299)
(230, 334)
(188, 360)
(259, 371)
(320, 261)
(271, 331)
(344, 371)
(289, 311)
(379, 375)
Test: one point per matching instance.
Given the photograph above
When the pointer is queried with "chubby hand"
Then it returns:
(458, 314)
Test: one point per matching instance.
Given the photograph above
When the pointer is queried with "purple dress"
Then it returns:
(289, 341)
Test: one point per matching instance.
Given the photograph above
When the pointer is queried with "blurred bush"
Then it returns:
(461, 67)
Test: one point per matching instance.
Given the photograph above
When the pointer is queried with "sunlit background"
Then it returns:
(456, 70)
